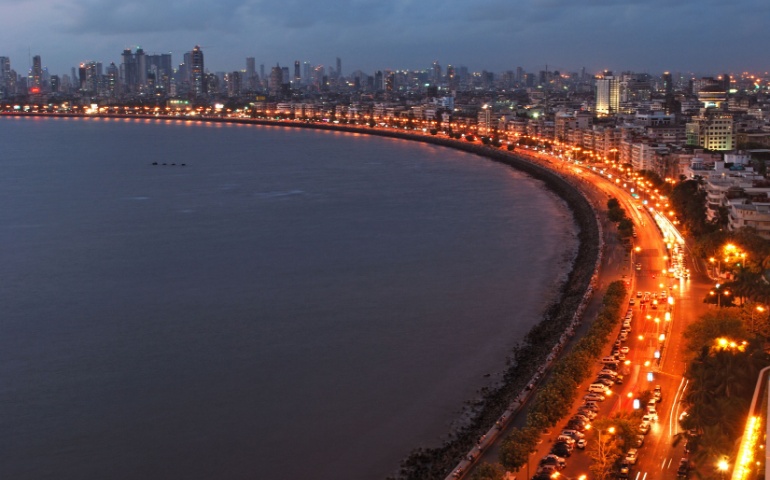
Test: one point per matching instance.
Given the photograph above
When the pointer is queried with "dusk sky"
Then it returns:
(705, 36)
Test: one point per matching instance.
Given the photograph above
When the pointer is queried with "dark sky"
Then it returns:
(706, 36)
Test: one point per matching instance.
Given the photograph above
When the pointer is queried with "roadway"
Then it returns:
(656, 345)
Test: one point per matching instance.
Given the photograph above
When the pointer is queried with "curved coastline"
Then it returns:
(527, 359)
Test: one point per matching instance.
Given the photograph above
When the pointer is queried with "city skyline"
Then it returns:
(630, 35)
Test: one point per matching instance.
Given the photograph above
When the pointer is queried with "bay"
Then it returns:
(288, 304)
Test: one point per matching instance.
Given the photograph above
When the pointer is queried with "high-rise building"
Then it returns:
(712, 129)
(306, 72)
(89, 78)
(233, 81)
(197, 73)
(607, 94)
(251, 74)
(112, 80)
(297, 76)
(35, 83)
(159, 71)
(55, 83)
(5, 77)
(668, 84)
(436, 73)
(276, 80)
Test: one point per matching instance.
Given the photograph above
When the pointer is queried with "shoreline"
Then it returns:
(526, 360)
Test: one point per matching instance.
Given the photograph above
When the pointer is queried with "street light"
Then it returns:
(760, 309)
(723, 466)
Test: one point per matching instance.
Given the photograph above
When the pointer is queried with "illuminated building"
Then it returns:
(607, 94)
(197, 73)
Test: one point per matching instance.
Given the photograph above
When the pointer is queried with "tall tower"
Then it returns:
(197, 72)
(36, 75)
(5, 77)
(251, 74)
(607, 94)
(297, 76)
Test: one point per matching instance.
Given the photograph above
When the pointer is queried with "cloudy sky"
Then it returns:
(706, 36)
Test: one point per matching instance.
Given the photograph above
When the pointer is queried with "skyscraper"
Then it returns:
(36, 75)
(197, 72)
(607, 94)
(5, 77)
(668, 83)
(297, 77)
(251, 74)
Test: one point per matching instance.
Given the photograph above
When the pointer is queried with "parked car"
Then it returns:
(631, 456)
(657, 394)
(552, 459)
(581, 444)
(561, 449)
(572, 433)
(594, 397)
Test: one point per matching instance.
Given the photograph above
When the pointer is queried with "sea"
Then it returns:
(190, 300)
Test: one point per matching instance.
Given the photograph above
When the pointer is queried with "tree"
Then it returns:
(710, 326)
(516, 447)
(488, 471)
(603, 450)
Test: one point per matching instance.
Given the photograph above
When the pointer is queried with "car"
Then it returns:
(607, 382)
(619, 379)
(631, 456)
(607, 371)
(594, 397)
(638, 266)
(581, 444)
(663, 294)
(587, 413)
(568, 440)
(542, 476)
(631, 302)
(654, 305)
(561, 449)
(552, 459)
(624, 469)
(627, 324)
(547, 468)
(644, 427)
(638, 294)
(624, 334)
(593, 406)
(624, 350)
(574, 434)
(684, 467)
(580, 416)
(599, 388)
(576, 425)
(650, 417)
(639, 441)
(657, 394)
